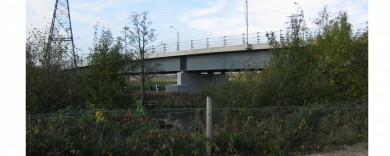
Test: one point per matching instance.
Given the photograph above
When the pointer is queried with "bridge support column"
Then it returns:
(193, 82)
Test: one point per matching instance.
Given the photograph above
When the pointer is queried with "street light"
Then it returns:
(247, 20)
(178, 37)
(303, 18)
(299, 8)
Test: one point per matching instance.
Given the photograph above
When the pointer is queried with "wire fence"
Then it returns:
(253, 38)
(186, 116)
(181, 131)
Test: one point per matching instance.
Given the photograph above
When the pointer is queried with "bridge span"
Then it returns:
(195, 68)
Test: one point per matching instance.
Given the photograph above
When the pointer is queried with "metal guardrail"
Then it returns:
(253, 38)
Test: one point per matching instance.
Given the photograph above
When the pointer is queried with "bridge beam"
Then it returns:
(193, 82)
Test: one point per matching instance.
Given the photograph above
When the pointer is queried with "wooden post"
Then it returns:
(209, 124)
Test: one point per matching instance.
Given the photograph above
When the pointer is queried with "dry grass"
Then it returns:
(360, 149)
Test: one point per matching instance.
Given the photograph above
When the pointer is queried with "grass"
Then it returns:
(135, 84)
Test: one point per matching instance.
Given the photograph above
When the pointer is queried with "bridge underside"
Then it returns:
(219, 62)
(196, 71)
(193, 82)
(195, 68)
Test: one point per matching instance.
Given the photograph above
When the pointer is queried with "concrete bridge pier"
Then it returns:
(193, 82)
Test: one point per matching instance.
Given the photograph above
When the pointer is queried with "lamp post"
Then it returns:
(303, 18)
(178, 37)
(247, 20)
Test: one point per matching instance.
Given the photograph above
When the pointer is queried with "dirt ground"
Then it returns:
(360, 149)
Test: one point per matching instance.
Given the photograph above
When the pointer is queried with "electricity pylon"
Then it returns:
(60, 42)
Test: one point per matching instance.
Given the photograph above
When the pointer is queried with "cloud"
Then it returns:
(84, 15)
(226, 17)
(211, 18)
(94, 5)
(38, 13)
(215, 8)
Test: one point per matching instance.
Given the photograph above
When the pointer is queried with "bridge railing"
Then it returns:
(253, 38)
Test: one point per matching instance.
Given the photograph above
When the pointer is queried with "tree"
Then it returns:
(328, 66)
(48, 86)
(141, 36)
(342, 56)
(106, 85)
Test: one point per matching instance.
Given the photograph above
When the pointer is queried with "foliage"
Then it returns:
(165, 100)
(324, 72)
(342, 57)
(87, 134)
(326, 68)
(106, 86)
(50, 85)
(247, 132)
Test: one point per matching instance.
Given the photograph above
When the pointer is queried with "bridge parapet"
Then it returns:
(234, 40)
(223, 49)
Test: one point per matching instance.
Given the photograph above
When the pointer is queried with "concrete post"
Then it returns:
(209, 124)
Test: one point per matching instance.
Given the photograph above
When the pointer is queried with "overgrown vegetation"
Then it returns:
(329, 67)
(50, 84)
(265, 131)
(106, 87)
(311, 96)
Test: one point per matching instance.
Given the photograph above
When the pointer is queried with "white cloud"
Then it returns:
(84, 15)
(38, 13)
(211, 18)
(94, 5)
(215, 8)
(227, 17)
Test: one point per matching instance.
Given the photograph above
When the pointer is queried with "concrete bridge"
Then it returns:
(197, 67)
(196, 61)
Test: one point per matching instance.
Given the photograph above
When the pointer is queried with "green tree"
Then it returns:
(105, 80)
(342, 56)
(330, 66)
(48, 86)
(292, 75)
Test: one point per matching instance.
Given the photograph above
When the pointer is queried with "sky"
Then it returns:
(192, 19)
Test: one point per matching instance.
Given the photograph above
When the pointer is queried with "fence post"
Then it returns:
(209, 124)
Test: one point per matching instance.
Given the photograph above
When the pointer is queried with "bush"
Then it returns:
(163, 99)
(268, 131)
